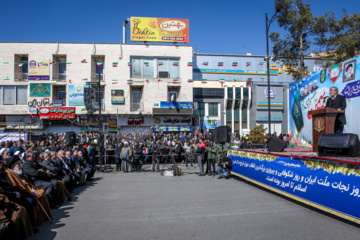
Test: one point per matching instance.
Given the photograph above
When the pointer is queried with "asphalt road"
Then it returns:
(150, 206)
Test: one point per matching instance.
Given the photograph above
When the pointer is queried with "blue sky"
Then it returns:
(228, 27)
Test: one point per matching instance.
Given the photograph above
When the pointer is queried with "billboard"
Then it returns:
(39, 69)
(57, 113)
(117, 96)
(310, 94)
(40, 89)
(144, 29)
(76, 95)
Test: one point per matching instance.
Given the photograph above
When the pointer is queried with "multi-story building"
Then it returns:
(142, 87)
(232, 90)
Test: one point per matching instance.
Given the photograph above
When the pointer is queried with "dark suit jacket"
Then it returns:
(338, 102)
(40, 179)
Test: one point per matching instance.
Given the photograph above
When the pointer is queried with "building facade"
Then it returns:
(237, 86)
(142, 87)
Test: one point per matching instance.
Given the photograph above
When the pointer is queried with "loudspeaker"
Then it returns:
(223, 134)
(216, 135)
(70, 138)
(275, 144)
(339, 145)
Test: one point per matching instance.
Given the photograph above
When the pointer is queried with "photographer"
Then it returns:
(224, 168)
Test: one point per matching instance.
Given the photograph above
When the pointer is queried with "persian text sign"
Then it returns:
(57, 113)
(335, 186)
(39, 69)
(40, 90)
(145, 29)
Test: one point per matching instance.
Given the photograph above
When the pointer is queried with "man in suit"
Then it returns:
(337, 101)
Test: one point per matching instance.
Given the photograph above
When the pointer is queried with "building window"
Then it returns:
(246, 92)
(13, 95)
(244, 113)
(230, 93)
(200, 109)
(173, 94)
(136, 99)
(61, 70)
(213, 109)
(237, 93)
(142, 67)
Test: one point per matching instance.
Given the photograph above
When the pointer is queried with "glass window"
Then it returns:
(244, 113)
(148, 67)
(213, 109)
(62, 67)
(201, 109)
(228, 115)
(238, 93)
(163, 65)
(24, 68)
(236, 115)
(172, 94)
(230, 93)
(21, 95)
(1, 95)
(100, 68)
(246, 93)
(174, 68)
(9, 95)
(136, 67)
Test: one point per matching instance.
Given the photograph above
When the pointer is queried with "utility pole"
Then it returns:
(100, 122)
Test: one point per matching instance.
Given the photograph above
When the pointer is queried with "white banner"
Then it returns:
(13, 136)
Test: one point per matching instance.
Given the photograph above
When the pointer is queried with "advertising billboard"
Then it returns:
(57, 113)
(117, 96)
(76, 95)
(144, 29)
(310, 93)
(39, 69)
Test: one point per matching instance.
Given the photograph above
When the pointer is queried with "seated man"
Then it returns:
(224, 168)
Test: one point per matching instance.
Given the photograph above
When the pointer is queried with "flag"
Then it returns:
(204, 81)
(205, 63)
(7, 78)
(234, 64)
(147, 80)
(129, 81)
(262, 79)
(334, 72)
(236, 79)
(53, 81)
(190, 80)
(175, 81)
(248, 64)
(261, 63)
(5, 62)
(83, 61)
(129, 64)
(115, 64)
(220, 64)
(160, 63)
(190, 64)
(222, 80)
(249, 79)
(99, 64)
(70, 81)
(52, 62)
(115, 81)
(159, 80)
(36, 79)
(172, 98)
(175, 64)
(39, 64)
(84, 79)
(68, 63)
(20, 65)
(146, 64)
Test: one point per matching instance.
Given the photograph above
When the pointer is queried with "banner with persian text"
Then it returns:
(144, 29)
(310, 93)
(332, 185)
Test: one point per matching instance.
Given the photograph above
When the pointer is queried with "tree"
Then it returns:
(295, 17)
(257, 134)
(344, 39)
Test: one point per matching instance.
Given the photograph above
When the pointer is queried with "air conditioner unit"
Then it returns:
(163, 74)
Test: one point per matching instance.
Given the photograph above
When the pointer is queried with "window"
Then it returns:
(228, 115)
(62, 70)
(201, 109)
(172, 94)
(61, 94)
(244, 113)
(237, 93)
(213, 109)
(230, 93)
(246, 93)
(136, 99)
(13, 95)
(142, 67)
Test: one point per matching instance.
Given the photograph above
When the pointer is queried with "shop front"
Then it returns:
(173, 124)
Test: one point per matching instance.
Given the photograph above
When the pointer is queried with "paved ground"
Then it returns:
(149, 206)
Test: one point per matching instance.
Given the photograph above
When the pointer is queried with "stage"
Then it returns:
(330, 184)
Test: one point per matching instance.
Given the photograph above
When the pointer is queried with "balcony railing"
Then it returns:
(61, 77)
(136, 107)
(97, 77)
(21, 76)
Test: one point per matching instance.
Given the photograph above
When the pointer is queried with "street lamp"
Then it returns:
(267, 59)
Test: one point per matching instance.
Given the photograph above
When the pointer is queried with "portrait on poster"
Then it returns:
(349, 73)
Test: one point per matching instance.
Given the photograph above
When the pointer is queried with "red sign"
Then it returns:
(57, 113)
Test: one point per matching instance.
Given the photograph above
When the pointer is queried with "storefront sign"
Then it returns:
(40, 90)
(117, 97)
(39, 69)
(136, 121)
(209, 124)
(40, 103)
(57, 113)
(57, 103)
(173, 129)
(177, 105)
(94, 120)
(276, 97)
(173, 121)
(32, 111)
(145, 29)
(76, 95)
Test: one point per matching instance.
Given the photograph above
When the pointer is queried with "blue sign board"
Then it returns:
(182, 105)
(332, 185)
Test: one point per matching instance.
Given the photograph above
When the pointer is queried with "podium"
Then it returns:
(323, 122)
